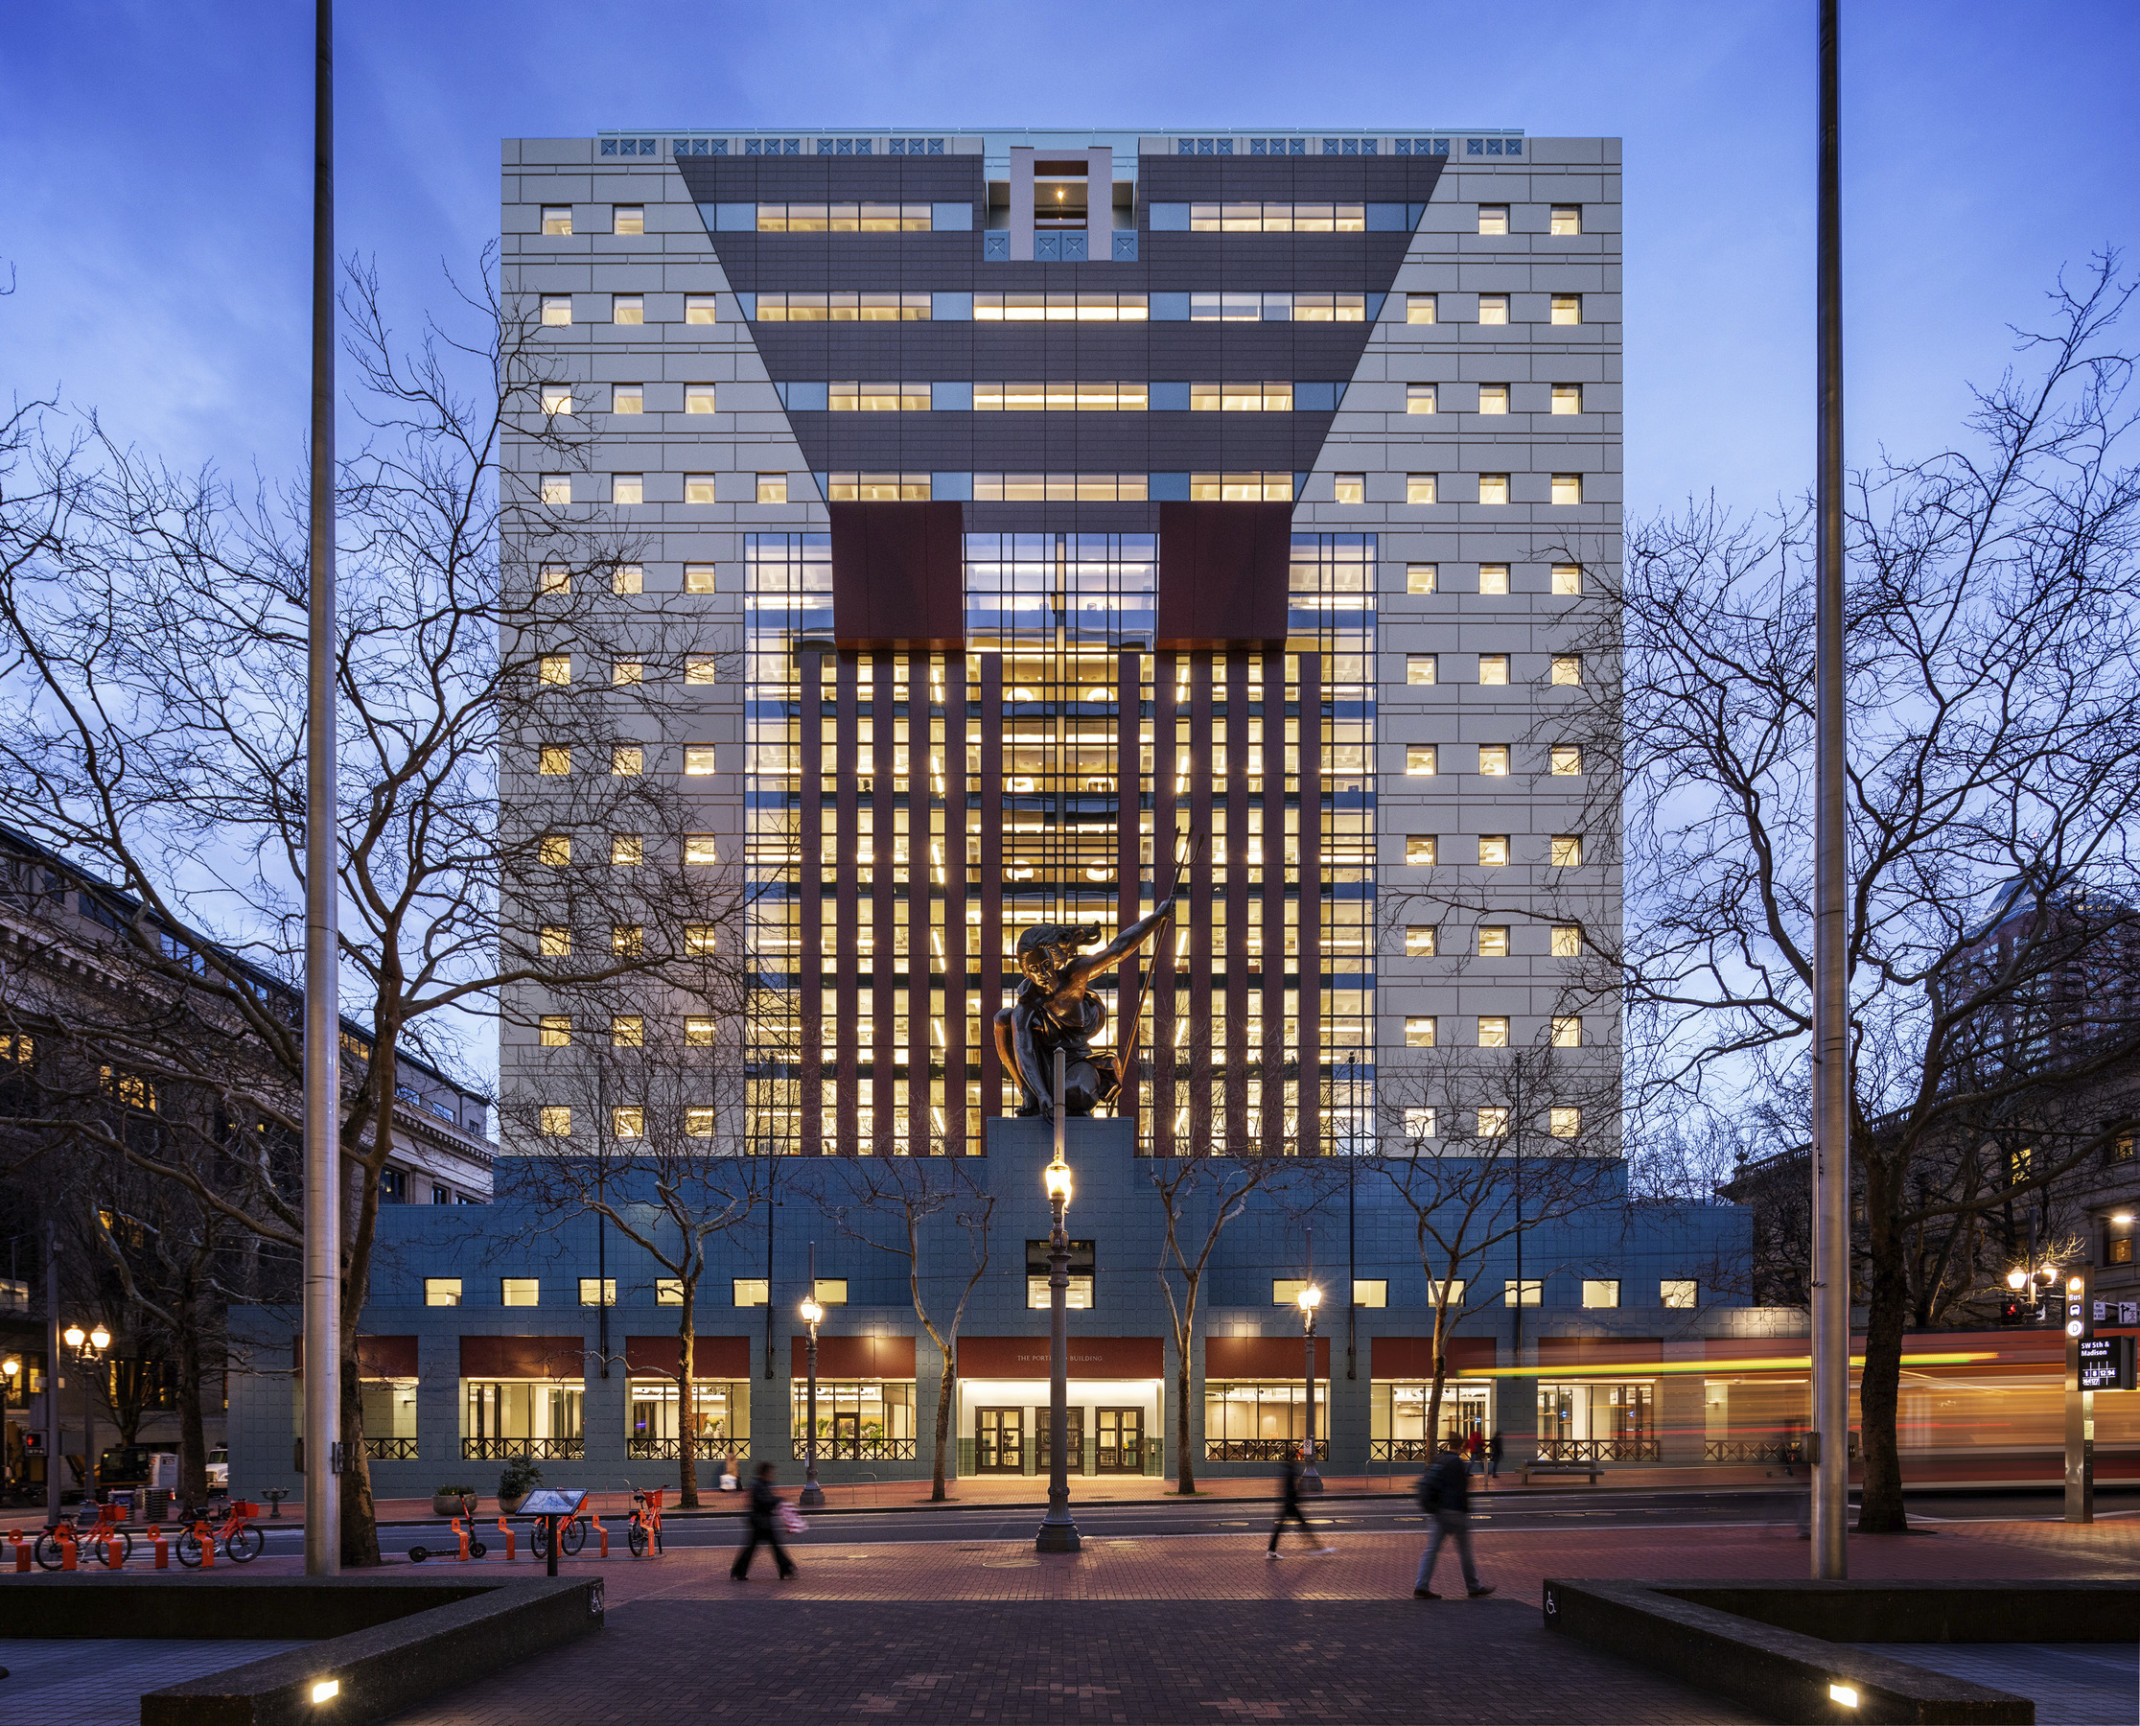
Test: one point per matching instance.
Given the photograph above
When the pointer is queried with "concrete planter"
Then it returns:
(454, 1504)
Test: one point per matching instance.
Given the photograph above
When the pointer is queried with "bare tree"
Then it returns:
(152, 639)
(1992, 628)
(918, 1209)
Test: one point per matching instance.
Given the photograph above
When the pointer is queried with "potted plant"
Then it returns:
(520, 1478)
(453, 1501)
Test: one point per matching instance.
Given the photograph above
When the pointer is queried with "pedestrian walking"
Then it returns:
(1474, 1453)
(1493, 1455)
(1445, 1495)
(763, 1519)
(1289, 1506)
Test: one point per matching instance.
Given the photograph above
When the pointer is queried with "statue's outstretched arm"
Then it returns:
(1120, 948)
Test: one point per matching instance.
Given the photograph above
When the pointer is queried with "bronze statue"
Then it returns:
(1054, 1011)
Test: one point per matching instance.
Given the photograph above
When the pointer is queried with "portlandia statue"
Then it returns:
(1056, 1010)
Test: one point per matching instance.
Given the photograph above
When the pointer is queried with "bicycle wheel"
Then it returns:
(636, 1538)
(245, 1545)
(188, 1549)
(539, 1538)
(572, 1537)
(48, 1551)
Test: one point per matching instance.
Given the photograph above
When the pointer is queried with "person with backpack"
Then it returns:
(764, 1523)
(1445, 1495)
(1289, 1506)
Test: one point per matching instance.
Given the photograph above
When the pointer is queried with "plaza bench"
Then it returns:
(1584, 1468)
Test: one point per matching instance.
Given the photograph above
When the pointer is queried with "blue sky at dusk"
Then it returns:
(154, 201)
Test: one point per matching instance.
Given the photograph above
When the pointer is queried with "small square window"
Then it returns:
(554, 761)
(1370, 1291)
(626, 850)
(748, 1291)
(1351, 488)
(1567, 398)
(1285, 1291)
(1678, 1291)
(1421, 667)
(1421, 308)
(698, 1031)
(553, 579)
(1567, 578)
(1567, 488)
(702, 668)
(554, 850)
(1493, 308)
(1567, 308)
(1493, 668)
(2120, 1251)
(1419, 1033)
(1493, 1034)
(668, 1291)
(627, 1121)
(627, 578)
(1493, 398)
(627, 940)
(557, 309)
(555, 942)
(1566, 219)
(627, 488)
(598, 1291)
(520, 1291)
(442, 1291)
(1493, 941)
(555, 1030)
(627, 219)
(1419, 760)
(623, 671)
(701, 308)
(1566, 941)
(1567, 760)
(698, 578)
(700, 759)
(1419, 487)
(831, 1291)
(554, 668)
(1419, 940)
(1567, 851)
(772, 488)
(1493, 850)
(698, 488)
(1564, 1123)
(627, 309)
(1419, 398)
(1419, 1123)
(627, 760)
(556, 489)
(698, 1123)
(701, 851)
(1420, 577)
(1529, 1291)
(1493, 579)
(627, 1031)
(627, 398)
(557, 218)
(1419, 849)
(1490, 1124)
(1493, 218)
(1601, 1291)
(699, 399)
(1493, 488)
(1567, 668)
(1567, 1030)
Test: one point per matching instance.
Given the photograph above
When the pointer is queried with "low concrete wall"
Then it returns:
(1780, 1674)
(1930, 1611)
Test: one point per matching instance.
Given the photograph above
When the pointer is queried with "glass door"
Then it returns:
(1120, 1432)
(1043, 1438)
(999, 1440)
(846, 1432)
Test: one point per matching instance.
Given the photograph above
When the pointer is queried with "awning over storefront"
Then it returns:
(711, 1356)
(1026, 1357)
(1262, 1357)
(377, 1356)
(851, 1357)
(1412, 1357)
(560, 1357)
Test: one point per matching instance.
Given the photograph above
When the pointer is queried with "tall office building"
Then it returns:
(1062, 510)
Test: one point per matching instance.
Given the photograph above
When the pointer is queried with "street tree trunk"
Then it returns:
(192, 1438)
(1184, 1445)
(1880, 1507)
(946, 1389)
(687, 1409)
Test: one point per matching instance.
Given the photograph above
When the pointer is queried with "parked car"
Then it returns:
(127, 1465)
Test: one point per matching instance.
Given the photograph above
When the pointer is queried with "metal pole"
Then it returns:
(2080, 1404)
(1058, 1533)
(1352, 1221)
(812, 1493)
(1310, 1480)
(772, 1204)
(1831, 1133)
(52, 1434)
(323, 1067)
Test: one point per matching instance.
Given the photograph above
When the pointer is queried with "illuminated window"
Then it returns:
(627, 1031)
(884, 398)
(851, 308)
(1567, 308)
(1419, 760)
(628, 1121)
(627, 309)
(1567, 850)
(556, 1121)
(554, 578)
(699, 399)
(748, 1291)
(1285, 1291)
(1601, 1291)
(1419, 487)
(1564, 1123)
(1493, 578)
(1493, 308)
(1493, 760)
(1567, 941)
(556, 1030)
(1528, 1291)
(554, 849)
(1493, 398)
(1419, 940)
(1567, 668)
(557, 309)
(1490, 1124)
(598, 1291)
(1493, 850)
(1567, 488)
(1419, 1033)
(1493, 941)
(627, 940)
(1493, 218)
(622, 671)
(554, 668)
(1419, 849)
(1678, 1291)
(1493, 488)
(520, 1291)
(1060, 487)
(1567, 398)
(555, 941)
(1493, 668)
(701, 308)
(1272, 218)
(772, 488)
(668, 1291)
(1350, 488)
(698, 488)
(878, 488)
(698, 578)
(1566, 219)
(442, 1291)
(698, 1031)
(555, 760)
(627, 578)
(1421, 667)
(701, 938)
(627, 760)
(831, 1291)
(843, 218)
(627, 488)
(1567, 578)
(1370, 1291)
(1419, 398)
(1241, 487)
(699, 759)
(1567, 1030)
(1421, 308)
(556, 399)
(698, 1123)
(1420, 577)
(700, 849)
(1567, 760)
(557, 218)
(1419, 1123)
(1493, 1034)
(626, 850)
(556, 489)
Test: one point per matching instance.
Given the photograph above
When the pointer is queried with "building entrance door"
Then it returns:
(1043, 1438)
(999, 1440)
(847, 1433)
(1120, 1432)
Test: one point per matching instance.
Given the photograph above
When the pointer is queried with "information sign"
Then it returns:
(2107, 1363)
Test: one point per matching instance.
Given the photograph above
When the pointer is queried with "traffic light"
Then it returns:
(2010, 1310)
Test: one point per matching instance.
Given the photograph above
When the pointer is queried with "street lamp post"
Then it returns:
(812, 1314)
(1309, 1298)
(97, 1342)
(1058, 1533)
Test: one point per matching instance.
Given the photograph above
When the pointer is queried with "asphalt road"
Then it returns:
(1541, 1511)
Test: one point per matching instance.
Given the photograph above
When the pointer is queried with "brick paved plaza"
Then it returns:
(1198, 1628)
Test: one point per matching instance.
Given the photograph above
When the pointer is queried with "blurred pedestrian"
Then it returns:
(1289, 1506)
(1493, 1455)
(1445, 1495)
(729, 1482)
(763, 1519)
(1475, 1452)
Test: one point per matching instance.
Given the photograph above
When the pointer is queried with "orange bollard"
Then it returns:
(114, 1554)
(599, 1529)
(22, 1551)
(163, 1552)
(67, 1552)
(460, 1532)
(206, 1532)
(505, 1529)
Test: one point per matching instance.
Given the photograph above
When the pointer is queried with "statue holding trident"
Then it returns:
(1055, 1010)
